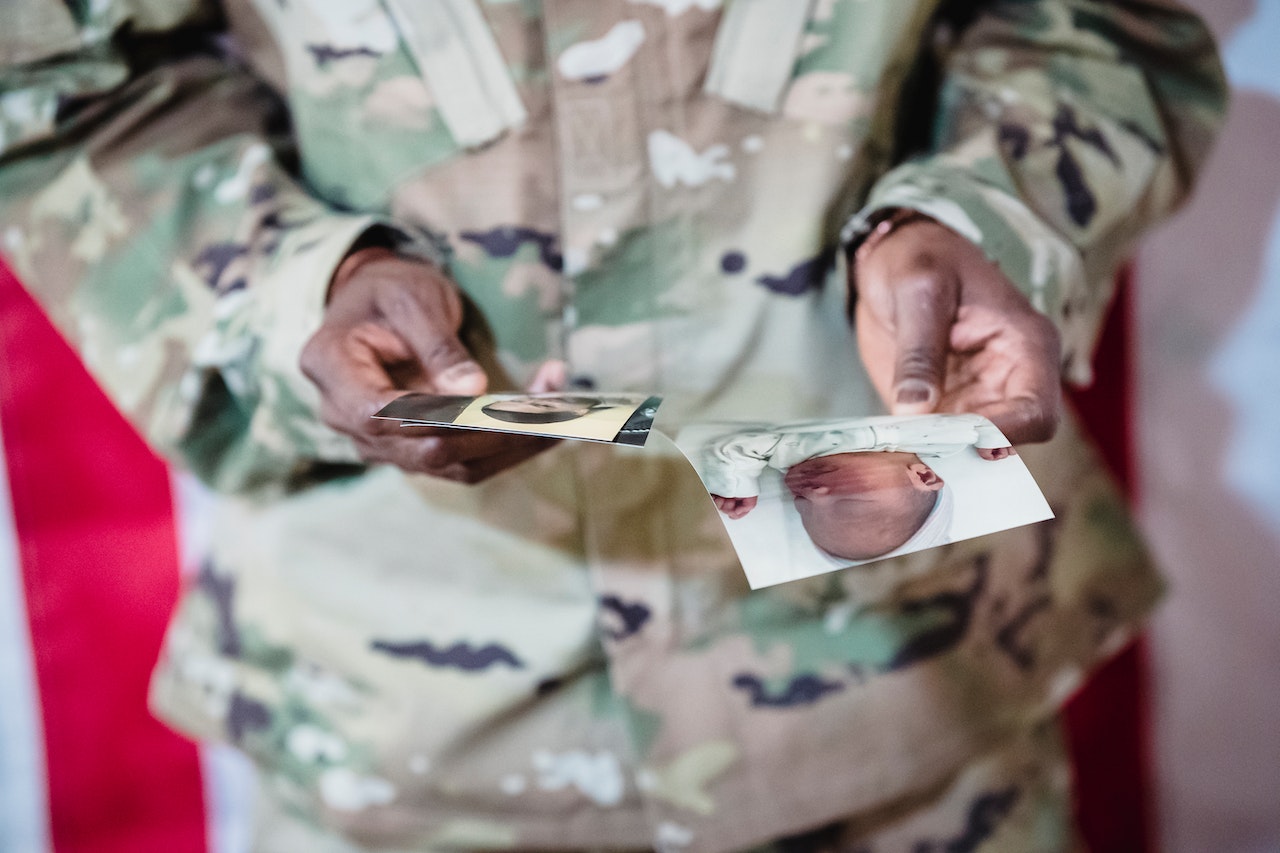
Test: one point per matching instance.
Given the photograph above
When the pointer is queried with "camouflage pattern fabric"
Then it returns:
(567, 656)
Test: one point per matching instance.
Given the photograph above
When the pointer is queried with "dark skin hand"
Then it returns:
(392, 326)
(941, 329)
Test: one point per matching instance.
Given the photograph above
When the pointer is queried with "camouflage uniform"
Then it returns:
(567, 656)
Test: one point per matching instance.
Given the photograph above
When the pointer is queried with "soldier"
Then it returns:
(486, 643)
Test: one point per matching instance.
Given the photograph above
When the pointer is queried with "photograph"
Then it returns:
(615, 418)
(801, 499)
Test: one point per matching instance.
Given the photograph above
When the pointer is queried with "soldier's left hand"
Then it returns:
(941, 329)
(392, 325)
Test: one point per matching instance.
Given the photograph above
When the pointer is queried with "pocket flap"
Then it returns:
(458, 57)
(755, 51)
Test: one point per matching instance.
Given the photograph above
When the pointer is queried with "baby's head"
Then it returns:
(857, 506)
(549, 409)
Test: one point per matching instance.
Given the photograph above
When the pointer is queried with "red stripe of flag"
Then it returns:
(96, 538)
(1108, 722)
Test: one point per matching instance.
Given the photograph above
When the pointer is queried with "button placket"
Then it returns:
(599, 138)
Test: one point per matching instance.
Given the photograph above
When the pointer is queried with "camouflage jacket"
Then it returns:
(654, 190)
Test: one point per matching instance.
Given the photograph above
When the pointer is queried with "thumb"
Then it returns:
(451, 369)
(447, 364)
(924, 303)
(428, 321)
(1025, 419)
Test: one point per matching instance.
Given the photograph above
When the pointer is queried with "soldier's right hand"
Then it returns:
(391, 326)
(942, 329)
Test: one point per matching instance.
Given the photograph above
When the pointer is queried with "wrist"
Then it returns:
(355, 260)
(883, 225)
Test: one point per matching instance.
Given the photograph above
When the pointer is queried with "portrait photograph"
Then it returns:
(615, 418)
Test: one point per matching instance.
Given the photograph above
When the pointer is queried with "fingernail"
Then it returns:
(913, 392)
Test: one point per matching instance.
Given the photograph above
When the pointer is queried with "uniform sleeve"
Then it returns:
(146, 203)
(1064, 128)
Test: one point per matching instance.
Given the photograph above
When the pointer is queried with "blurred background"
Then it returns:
(1179, 739)
(1207, 335)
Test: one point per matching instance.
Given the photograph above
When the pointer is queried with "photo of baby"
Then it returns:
(804, 498)
(617, 418)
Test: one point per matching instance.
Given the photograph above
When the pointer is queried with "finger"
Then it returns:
(350, 370)
(468, 446)
(431, 454)
(428, 321)
(924, 303)
(462, 455)
(1033, 387)
(483, 468)
(551, 376)
(1024, 407)
(1023, 420)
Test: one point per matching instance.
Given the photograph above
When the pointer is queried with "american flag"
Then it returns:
(91, 529)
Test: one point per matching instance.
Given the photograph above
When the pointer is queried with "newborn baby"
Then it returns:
(863, 487)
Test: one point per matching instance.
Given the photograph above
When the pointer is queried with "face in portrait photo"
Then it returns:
(591, 417)
(542, 409)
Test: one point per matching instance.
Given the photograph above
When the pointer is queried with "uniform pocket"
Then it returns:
(371, 101)
(823, 62)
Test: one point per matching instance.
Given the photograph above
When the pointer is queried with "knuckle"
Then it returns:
(434, 454)
(1049, 420)
(313, 357)
(332, 417)
(917, 363)
(457, 473)
(370, 452)
(398, 300)
(1041, 424)
(919, 288)
(924, 268)
(445, 352)
(415, 290)
(1043, 327)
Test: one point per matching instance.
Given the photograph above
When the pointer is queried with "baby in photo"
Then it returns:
(863, 488)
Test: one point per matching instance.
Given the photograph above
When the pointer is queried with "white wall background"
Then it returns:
(1208, 336)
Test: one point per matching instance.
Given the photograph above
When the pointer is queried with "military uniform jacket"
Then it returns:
(567, 655)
